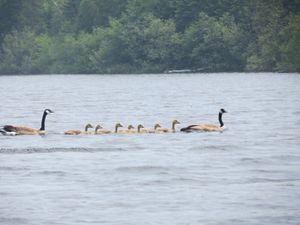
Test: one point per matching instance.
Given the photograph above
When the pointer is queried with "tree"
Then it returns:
(266, 21)
(290, 60)
(212, 44)
(8, 18)
(19, 53)
(140, 45)
(87, 15)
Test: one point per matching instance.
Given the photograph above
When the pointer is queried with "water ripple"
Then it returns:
(50, 150)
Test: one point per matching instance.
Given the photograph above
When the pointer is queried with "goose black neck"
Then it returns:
(43, 121)
(220, 119)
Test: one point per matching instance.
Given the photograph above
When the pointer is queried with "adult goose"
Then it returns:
(207, 127)
(20, 130)
(77, 132)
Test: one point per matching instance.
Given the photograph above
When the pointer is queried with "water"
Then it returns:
(248, 174)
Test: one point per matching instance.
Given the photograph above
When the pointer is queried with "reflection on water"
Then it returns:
(248, 174)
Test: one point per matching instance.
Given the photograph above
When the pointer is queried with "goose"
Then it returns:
(156, 126)
(99, 130)
(207, 127)
(20, 130)
(140, 129)
(77, 132)
(165, 130)
(117, 126)
(128, 131)
(98, 127)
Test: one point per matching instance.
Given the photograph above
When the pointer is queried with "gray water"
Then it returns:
(249, 174)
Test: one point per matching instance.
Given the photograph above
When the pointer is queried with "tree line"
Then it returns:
(148, 36)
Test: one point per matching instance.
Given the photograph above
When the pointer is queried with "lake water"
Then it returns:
(249, 174)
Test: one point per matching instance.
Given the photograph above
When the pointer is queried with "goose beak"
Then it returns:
(49, 111)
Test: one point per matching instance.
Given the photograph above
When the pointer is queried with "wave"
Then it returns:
(144, 168)
(50, 150)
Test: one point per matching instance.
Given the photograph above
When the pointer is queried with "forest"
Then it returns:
(148, 36)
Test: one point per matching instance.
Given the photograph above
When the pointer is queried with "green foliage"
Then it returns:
(8, 18)
(139, 45)
(19, 53)
(290, 60)
(87, 15)
(71, 54)
(136, 36)
(213, 44)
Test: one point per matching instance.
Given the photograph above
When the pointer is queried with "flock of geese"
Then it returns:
(21, 130)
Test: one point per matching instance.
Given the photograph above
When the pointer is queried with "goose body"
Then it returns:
(99, 130)
(128, 131)
(77, 132)
(156, 126)
(21, 130)
(207, 127)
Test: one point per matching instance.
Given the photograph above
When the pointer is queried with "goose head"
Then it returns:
(98, 127)
(223, 111)
(88, 126)
(48, 111)
(140, 126)
(119, 125)
(175, 122)
(130, 127)
(157, 126)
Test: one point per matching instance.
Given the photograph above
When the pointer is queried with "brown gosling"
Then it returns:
(156, 126)
(141, 129)
(99, 130)
(167, 130)
(128, 131)
(77, 132)
(117, 126)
